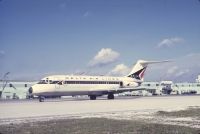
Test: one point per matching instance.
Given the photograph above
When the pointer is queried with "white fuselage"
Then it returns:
(70, 85)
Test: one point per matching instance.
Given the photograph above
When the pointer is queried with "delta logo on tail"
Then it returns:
(139, 74)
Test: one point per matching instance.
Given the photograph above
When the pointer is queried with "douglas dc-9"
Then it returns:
(93, 86)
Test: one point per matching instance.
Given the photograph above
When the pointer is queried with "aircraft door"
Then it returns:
(121, 84)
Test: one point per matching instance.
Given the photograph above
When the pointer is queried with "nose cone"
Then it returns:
(30, 90)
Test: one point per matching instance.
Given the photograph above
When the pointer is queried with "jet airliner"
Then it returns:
(93, 86)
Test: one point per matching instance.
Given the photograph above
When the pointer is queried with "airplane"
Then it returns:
(93, 86)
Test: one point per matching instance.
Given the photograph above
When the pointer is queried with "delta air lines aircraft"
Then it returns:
(93, 86)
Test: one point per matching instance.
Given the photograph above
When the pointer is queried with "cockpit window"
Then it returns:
(42, 82)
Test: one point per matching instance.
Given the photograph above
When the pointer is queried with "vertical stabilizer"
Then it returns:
(139, 69)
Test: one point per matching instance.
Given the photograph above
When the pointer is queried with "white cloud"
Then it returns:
(170, 42)
(172, 70)
(175, 71)
(182, 72)
(120, 69)
(104, 57)
(62, 5)
(86, 14)
(182, 69)
(2, 53)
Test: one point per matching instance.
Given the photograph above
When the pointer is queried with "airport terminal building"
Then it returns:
(14, 89)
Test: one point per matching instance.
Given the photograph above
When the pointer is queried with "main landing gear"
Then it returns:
(41, 98)
(93, 97)
(111, 96)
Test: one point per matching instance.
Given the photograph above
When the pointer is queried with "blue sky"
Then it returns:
(42, 37)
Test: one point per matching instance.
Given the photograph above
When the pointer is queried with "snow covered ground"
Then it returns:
(140, 108)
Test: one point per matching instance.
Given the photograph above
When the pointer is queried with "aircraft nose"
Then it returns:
(30, 90)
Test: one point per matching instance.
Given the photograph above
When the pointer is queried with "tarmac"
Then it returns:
(17, 111)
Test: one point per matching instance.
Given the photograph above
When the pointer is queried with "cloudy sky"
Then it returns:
(104, 37)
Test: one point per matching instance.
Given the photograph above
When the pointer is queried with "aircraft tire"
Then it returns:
(41, 99)
(111, 96)
(93, 97)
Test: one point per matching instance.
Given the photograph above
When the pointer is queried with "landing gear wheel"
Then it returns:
(93, 97)
(111, 96)
(41, 99)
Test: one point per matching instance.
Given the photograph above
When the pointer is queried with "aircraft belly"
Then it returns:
(70, 90)
(87, 88)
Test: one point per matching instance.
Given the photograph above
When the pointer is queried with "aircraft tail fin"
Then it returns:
(140, 67)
